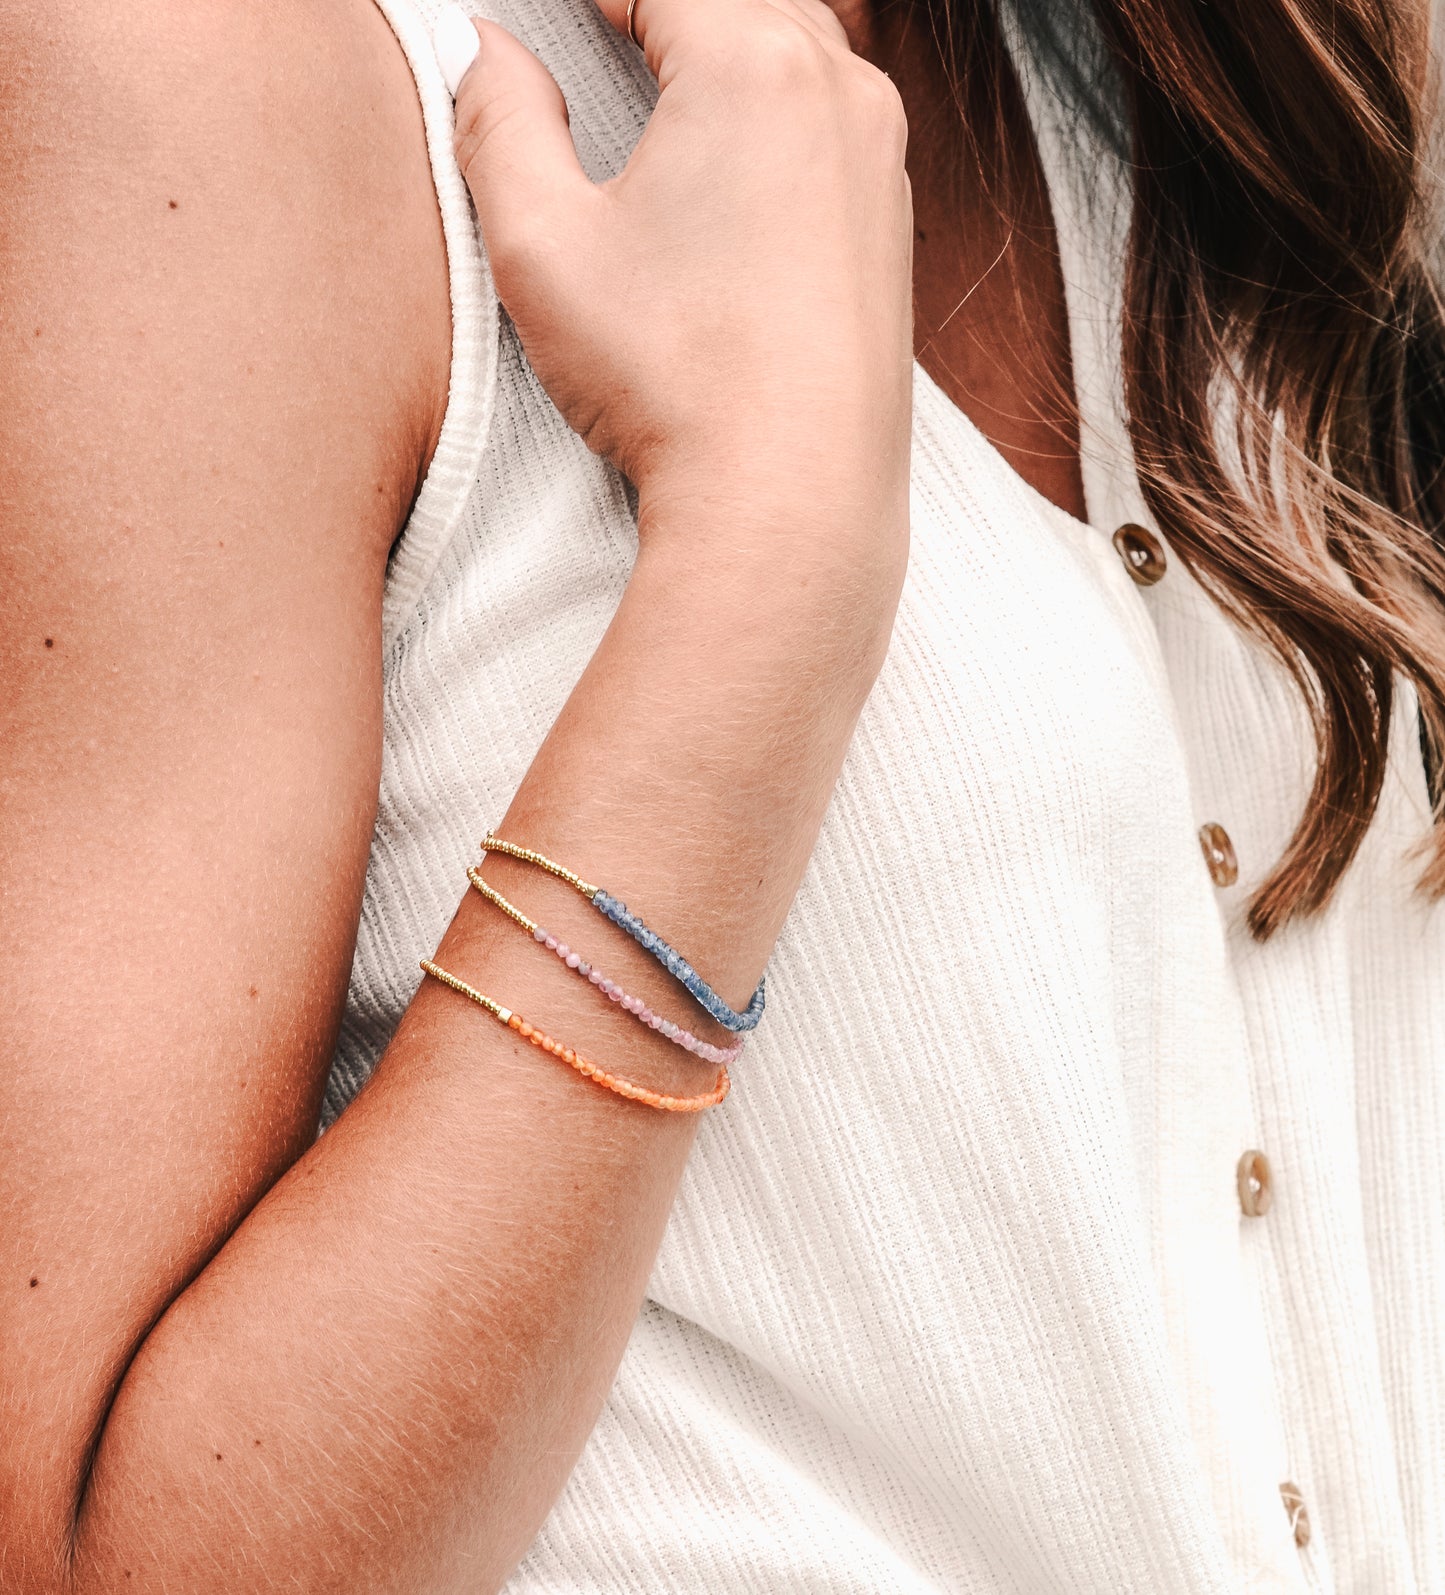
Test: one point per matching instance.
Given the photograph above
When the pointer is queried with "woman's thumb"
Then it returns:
(512, 139)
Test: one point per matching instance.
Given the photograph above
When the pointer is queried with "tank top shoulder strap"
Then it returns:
(472, 385)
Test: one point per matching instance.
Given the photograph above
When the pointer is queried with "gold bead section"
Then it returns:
(494, 1008)
(575, 1060)
(494, 844)
(474, 875)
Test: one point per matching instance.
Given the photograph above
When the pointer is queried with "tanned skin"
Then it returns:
(233, 1358)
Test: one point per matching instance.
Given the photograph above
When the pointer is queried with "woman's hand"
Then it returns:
(729, 319)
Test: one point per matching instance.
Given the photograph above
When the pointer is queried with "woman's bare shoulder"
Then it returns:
(241, 175)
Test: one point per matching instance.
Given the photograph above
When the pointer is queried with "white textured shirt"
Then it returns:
(959, 1293)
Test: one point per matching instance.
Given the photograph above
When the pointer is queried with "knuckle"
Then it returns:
(509, 254)
(824, 17)
(490, 116)
(879, 100)
(468, 134)
(480, 119)
(782, 57)
(517, 254)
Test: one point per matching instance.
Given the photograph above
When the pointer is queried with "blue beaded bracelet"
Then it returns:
(621, 916)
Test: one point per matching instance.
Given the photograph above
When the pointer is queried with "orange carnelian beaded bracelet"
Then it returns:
(575, 1060)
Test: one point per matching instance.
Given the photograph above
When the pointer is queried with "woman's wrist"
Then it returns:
(739, 556)
(805, 485)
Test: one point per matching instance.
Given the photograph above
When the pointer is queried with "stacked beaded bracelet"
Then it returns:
(575, 1060)
(609, 988)
(671, 960)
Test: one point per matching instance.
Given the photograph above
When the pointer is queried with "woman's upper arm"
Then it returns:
(223, 345)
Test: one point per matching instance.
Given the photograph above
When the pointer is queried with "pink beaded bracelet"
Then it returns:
(609, 988)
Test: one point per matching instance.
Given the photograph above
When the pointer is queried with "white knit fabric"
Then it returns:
(958, 1295)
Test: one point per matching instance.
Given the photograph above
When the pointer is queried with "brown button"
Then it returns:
(1219, 854)
(1256, 1192)
(1142, 553)
(1299, 1519)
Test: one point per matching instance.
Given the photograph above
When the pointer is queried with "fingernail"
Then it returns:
(456, 44)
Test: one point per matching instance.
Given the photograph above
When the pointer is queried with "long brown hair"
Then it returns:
(1279, 273)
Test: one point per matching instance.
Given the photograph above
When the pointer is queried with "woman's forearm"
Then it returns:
(232, 1359)
(382, 1379)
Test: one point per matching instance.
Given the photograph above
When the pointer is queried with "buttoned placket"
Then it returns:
(1144, 558)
